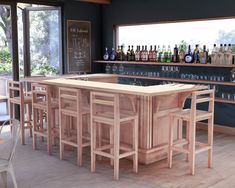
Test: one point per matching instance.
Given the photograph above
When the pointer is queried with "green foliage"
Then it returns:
(43, 69)
(5, 62)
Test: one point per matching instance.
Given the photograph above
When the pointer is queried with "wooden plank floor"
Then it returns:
(35, 169)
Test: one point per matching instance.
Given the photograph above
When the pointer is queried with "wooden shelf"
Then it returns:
(170, 64)
(179, 80)
(225, 101)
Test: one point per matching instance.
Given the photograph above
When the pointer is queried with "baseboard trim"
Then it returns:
(218, 128)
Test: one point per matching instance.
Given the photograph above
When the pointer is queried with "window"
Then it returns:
(206, 32)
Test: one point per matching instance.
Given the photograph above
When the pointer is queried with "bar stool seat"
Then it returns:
(191, 116)
(106, 111)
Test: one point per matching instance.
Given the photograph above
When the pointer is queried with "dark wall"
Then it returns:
(74, 10)
(121, 12)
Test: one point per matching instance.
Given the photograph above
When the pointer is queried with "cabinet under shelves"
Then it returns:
(170, 64)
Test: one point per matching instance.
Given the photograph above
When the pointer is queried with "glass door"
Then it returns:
(42, 40)
(5, 56)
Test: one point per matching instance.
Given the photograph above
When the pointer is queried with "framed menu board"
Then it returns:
(78, 46)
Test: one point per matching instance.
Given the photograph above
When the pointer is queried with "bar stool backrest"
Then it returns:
(15, 89)
(200, 97)
(40, 95)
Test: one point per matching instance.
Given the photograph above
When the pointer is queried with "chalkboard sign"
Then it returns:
(79, 46)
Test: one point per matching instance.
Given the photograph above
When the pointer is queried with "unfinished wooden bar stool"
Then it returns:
(72, 116)
(191, 117)
(106, 111)
(17, 96)
(44, 109)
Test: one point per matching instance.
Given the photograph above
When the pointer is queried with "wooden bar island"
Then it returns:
(154, 105)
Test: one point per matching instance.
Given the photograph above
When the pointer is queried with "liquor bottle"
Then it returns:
(159, 54)
(112, 55)
(203, 55)
(154, 54)
(121, 69)
(229, 56)
(132, 53)
(142, 54)
(106, 54)
(221, 54)
(118, 53)
(196, 54)
(163, 54)
(175, 58)
(122, 54)
(150, 54)
(145, 54)
(169, 54)
(181, 54)
(188, 58)
(128, 54)
(137, 53)
(214, 55)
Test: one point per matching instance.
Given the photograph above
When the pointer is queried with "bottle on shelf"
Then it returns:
(142, 54)
(122, 54)
(112, 55)
(228, 57)
(106, 54)
(196, 54)
(163, 54)
(154, 54)
(188, 58)
(132, 53)
(221, 55)
(169, 54)
(145, 58)
(214, 55)
(175, 57)
(150, 54)
(128, 53)
(203, 55)
(137, 53)
(118, 53)
(159, 54)
(181, 54)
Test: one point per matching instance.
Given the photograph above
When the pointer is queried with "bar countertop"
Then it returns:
(125, 89)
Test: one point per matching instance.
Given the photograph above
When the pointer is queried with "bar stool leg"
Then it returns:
(192, 147)
(79, 139)
(35, 124)
(22, 123)
(187, 138)
(210, 141)
(135, 145)
(61, 122)
(30, 120)
(116, 149)
(93, 146)
(111, 143)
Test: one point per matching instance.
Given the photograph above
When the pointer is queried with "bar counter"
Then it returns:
(155, 104)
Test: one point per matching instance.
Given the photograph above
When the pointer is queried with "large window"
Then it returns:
(206, 32)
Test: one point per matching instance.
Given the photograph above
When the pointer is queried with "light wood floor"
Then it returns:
(35, 169)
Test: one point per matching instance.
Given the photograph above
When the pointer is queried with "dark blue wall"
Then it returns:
(121, 12)
(74, 10)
